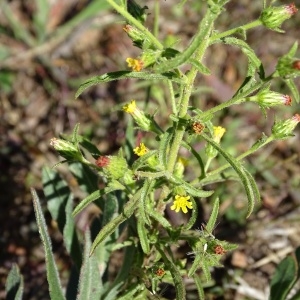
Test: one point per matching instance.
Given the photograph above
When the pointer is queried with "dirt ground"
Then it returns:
(37, 103)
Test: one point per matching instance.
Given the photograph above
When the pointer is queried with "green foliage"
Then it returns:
(137, 195)
(14, 284)
(286, 275)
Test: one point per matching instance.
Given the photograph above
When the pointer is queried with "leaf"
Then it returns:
(86, 178)
(286, 275)
(143, 235)
(254, 62)
(55, 288)
(193, 191)
(246, 179)
(109, 228)
(89, 199)
(60, 206)
(14, 284)
(293, 88)
(164, 147)
(107, 77)
(210, 226)
(90, 280)
(199, 287)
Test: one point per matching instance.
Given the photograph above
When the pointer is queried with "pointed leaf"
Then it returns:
(14, 284)
(210, 226)
(107, 77)
(55, 288)
(89, 280)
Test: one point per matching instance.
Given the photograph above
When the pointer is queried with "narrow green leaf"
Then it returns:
(142, 160)
(196, 264)
(193, 191)
(90, 278)
(107, 77)
(254, 62)
(164, 147)
(194, 215)
(159, 218)
(143, 235)
(199, 66)
(86, 201)
(55, 288)
(14, 284)
(199, 287)
(60, 205)
(246, 180)
(199, 41)
(210, 226)
(109, 228)
(177, 279)
(293, 88)
(206, 269)
(74, 138)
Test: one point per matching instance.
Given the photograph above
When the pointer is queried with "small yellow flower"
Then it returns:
(182, 202)
(135, 64)
(130, 107)
(218, 133)
(141, 150)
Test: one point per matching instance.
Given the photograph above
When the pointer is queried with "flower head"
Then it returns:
(218, 133)
(67, 149)
(141, 150)
(135, 64)
(285, 128)
(130, 107)
(182, 203)
(267, 98)
(273, 17)
(102, 161)
(198, 127)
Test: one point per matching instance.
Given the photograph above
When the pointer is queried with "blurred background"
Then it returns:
(49, 47)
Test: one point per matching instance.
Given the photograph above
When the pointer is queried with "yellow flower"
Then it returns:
(130, 107)
(218, 133)
(135, 64)
(141, 150)
(182, 202)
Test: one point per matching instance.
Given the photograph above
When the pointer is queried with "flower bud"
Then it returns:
(273, 17)
(284, 129)
(138, 37)
(144, 121)
(217, 135)
(266, 98)
(114, 167)
(67, 149)
(179, 167)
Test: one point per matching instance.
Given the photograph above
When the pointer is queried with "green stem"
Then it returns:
(136, 23)
(205, 28)
(234, 30)
(156, 15)
(172, 95)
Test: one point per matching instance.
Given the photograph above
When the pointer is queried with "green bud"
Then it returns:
(145, 122)
(137, 36)
(273, 17)
(266, 98)
(67, 149)
(284, 129)
(114, 167)
(288, 65)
